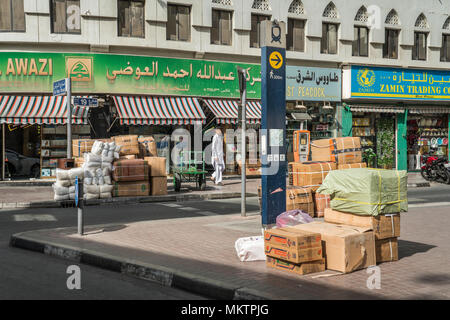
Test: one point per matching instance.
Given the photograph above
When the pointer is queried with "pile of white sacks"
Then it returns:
(95, 174)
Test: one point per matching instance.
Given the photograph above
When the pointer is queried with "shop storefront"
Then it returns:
(400, 114)
(313, 96)
(140, 95)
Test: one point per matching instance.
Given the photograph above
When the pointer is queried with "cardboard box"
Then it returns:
(300, 198)
(80, 146)
(147, 147)
(340, 150)
(128, 157)
(158, 186)
(321, 202)
(352, 165)
(300, 269)
(157, 166)
(386, 250)
(130, 170)
(293, 245)
(251, 169)
(309, 174)
(383, 226)
(129, 144)
(79, 161)
(345, 248)
(131, 189)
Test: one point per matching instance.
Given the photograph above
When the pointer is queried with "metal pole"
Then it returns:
(3, 151)
(69, 117)
(243, 147)
(80, 220)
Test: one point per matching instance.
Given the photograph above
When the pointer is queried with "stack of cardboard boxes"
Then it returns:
(158, 176)
(131, 178)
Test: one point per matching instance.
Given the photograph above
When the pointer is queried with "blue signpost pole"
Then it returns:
(273, 125)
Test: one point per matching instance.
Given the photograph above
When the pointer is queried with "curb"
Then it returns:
(126, 200)
(165, 276)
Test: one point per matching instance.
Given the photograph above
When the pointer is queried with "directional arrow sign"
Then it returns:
(276, 60)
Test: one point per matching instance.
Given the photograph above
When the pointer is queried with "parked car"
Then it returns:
(20, 165)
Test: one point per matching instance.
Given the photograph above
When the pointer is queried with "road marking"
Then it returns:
(432, 204)
(33, 217)
(171, 205)
(207, 213)
(188, 209)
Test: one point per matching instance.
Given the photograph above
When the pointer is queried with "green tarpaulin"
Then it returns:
(368, 192)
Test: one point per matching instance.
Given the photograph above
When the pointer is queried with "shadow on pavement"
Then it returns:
(409, 248)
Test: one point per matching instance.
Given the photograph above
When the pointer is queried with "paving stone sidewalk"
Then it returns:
(198, 254)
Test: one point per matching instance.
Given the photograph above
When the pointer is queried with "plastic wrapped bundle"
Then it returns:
(97, 148)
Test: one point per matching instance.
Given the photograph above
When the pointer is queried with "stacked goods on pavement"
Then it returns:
(297, 198)
(131, 178)
(81, 146)
(309, 174)
(147, 147)
(294, 250)
(64, 187)
(129, 144)
(321, 202)
(346, 248)
(158, 175)
(352, 166)
(252, 167)
(339, 150)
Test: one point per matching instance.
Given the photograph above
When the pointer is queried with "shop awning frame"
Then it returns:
(226, 110)
(143, 110)
(39, 110)
(377, 109)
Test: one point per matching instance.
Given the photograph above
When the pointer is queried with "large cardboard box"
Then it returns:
(352, 166)
(300, 198)
(157, 166)
(251, 169)
(386, 250)
(300, 269)
(293, 245)
(80, 146)
(309, 174)
(383, 226)
(158, 186)
(130, 170)
(340, 150)
(147, 147)
(129, 144)
(345, 248)
(321, 202)
(131, 189)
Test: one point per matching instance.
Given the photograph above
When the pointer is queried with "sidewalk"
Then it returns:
(198, 255)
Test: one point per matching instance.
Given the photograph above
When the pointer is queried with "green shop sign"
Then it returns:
(34, 73)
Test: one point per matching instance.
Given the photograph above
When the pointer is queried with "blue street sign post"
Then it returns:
(85, 102)
(273, 124)
(61, 88)
(79, 204)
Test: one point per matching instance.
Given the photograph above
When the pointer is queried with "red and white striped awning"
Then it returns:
(158, 110)
(39, 110)
(226, 111)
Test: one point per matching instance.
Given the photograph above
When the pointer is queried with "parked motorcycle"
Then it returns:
(435, 169)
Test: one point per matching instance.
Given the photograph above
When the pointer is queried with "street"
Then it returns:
(29, 275)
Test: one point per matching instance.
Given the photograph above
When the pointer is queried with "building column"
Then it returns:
(402, 145)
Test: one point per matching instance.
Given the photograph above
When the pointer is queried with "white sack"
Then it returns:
(87, 181)
(108, 180)
(97, 147)
(62, 174)
(91, 157)
(250, 248)
(62, 183)
(101, 180)
(105, 153)
(61, 198)
(74, 172)
(93, 189)
(60, 190)
(107, 159)
(72, 189)
(106, 188)
(107, 165)
(89, 196)
(116, 155)
(105, 195)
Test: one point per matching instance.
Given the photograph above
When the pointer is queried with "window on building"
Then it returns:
(445, 49)
(12, 16)
(420, 46)
(221, 31)
(255, 32)
(66, 16)
(390, 47)
(329, 41)
(178, 23)
(131, 21)
(360, 46)
(296, 35)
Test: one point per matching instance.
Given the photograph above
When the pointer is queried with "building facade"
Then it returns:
(39, 40)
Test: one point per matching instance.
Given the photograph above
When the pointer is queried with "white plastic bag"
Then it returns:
(93, 189)
(61, 198)
(105, 195)
(105, 153)
(89, 196)
(101, 180)
(92, 157)
(87, 181)
(107, 165)
(76, 172)
(107, 159)
(250, 248)
(106, 188)
(60, 190)
(116, 155)
(97, 148)
(62, 174)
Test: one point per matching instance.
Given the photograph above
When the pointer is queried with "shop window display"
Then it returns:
(427, 135)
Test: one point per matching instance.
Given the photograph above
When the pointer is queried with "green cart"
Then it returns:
(190, 169)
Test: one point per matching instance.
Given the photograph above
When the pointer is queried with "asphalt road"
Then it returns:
(29, 275)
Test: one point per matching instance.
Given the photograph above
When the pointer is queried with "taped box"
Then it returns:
(292, 245)
(300, 269)
(386, 250)
(147, 147)
(158, 186)
(300, 198)
(345, 248)
(130, 170)
(157, 166)
(383, 226)
(339, 150)
(131, 189)
(352, 166)
(129, 144)
(321, 202)
(309, 174)
(80, 146)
